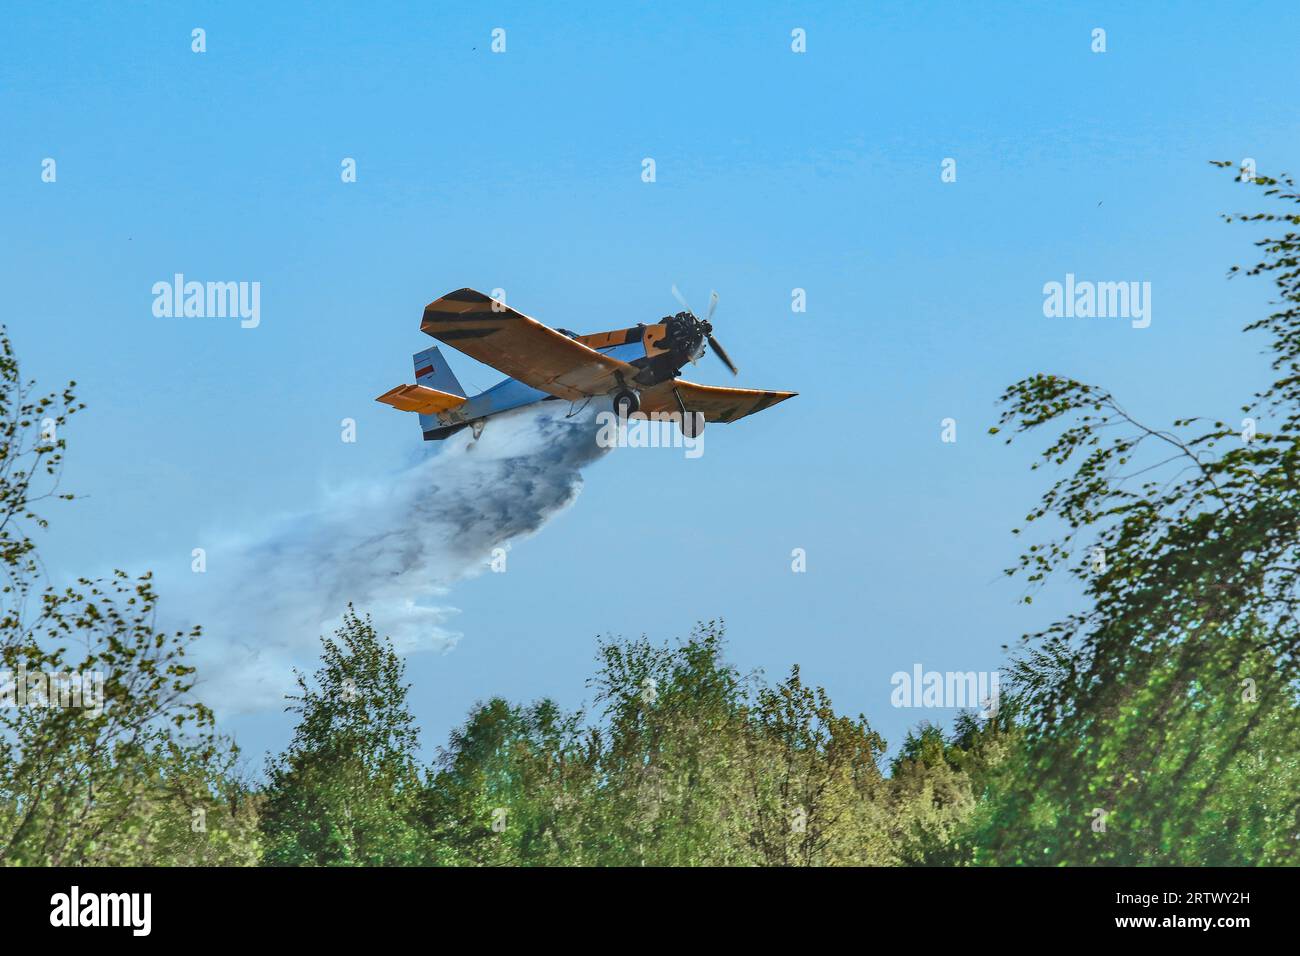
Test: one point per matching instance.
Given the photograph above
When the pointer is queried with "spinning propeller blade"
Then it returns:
(708, 328)
(721, 353)
(682, 299)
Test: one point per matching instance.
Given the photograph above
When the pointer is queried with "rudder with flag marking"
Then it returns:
(432, 371)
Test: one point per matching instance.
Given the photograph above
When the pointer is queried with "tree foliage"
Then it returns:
(687, 763)
(346, 791)
(132, 771)
(1158, 724)
(1161, 721)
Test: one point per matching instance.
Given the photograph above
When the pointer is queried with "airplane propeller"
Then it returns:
(721, 353)
(714, 344)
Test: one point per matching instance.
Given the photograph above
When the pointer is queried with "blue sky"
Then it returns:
(522, 170)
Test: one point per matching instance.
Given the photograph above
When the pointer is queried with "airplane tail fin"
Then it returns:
(432, 371)
(434, 393)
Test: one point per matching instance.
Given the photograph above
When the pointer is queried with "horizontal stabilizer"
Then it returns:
(421, 398)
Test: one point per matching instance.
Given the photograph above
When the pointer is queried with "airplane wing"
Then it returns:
(718, 403)
(521, 347)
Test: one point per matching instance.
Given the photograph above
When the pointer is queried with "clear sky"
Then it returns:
(522, 170)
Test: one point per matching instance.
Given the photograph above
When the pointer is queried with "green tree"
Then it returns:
(939, 785)
(510, 787)
(132, 772)
(689, 763)
(670, 748)
(816, 793)
(346, 792)
(1161, 722)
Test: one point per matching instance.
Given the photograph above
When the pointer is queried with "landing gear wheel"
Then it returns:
(626, 403)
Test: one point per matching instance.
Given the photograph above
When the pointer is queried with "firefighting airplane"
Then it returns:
(636, 367)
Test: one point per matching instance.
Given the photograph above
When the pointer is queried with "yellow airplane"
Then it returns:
(636, 367)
